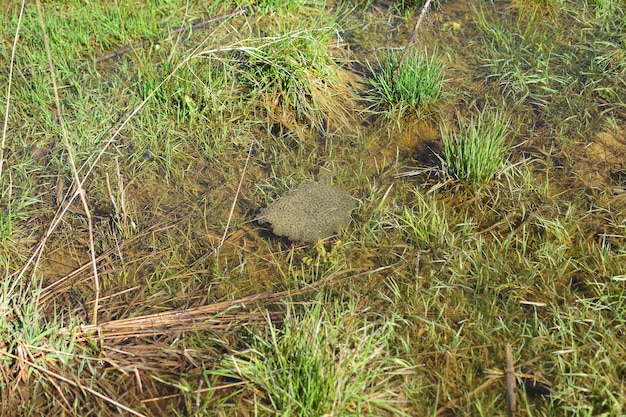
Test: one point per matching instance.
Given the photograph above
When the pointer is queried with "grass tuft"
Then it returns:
(416, 89)
(294, 78)
(477, 151)
(323, 361)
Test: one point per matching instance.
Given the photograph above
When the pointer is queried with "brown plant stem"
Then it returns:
(410, 41)
(79, 183)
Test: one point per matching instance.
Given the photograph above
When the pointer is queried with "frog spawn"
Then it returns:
(310, 212)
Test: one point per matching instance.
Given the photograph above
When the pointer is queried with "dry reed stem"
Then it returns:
(232, 207)
(511, 401)
(9, 83)
(218, 316)
(410, 41)
(79, 184)
(189, 320)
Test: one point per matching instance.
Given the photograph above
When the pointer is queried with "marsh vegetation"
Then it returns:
(141, 142)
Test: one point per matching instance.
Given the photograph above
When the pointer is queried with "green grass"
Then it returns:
(608, 11)
(202, 310)
(323, 360)
(520, 60)
(416, 88)
(531, 61)
(426, 224)
(277, 6)
(477, 151)
(295, 79)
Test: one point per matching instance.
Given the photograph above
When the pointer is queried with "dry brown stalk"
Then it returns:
(511, 401)
(218, 316)
(410, 41)
(79, 184)
(232, 207)
(194, 319)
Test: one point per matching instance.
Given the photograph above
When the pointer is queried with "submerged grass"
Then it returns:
(201, 310)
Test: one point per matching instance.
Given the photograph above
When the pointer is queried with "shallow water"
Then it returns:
(185, 182)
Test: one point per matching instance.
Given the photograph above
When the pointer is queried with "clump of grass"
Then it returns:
(426, 223)
(477, 151)
(607, 10)
(277, 6)
(416, 88)
(296, 81)
(323, 362)
(32, 345)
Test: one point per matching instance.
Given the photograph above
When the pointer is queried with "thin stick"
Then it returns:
(410, 41)
(79, 184)
(11, 63)
(511, 401)
(232, 207)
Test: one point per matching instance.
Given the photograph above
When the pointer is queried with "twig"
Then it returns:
(79, 184)
(511, 401)
(410, 41)
(232, 207)
(11, 63)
